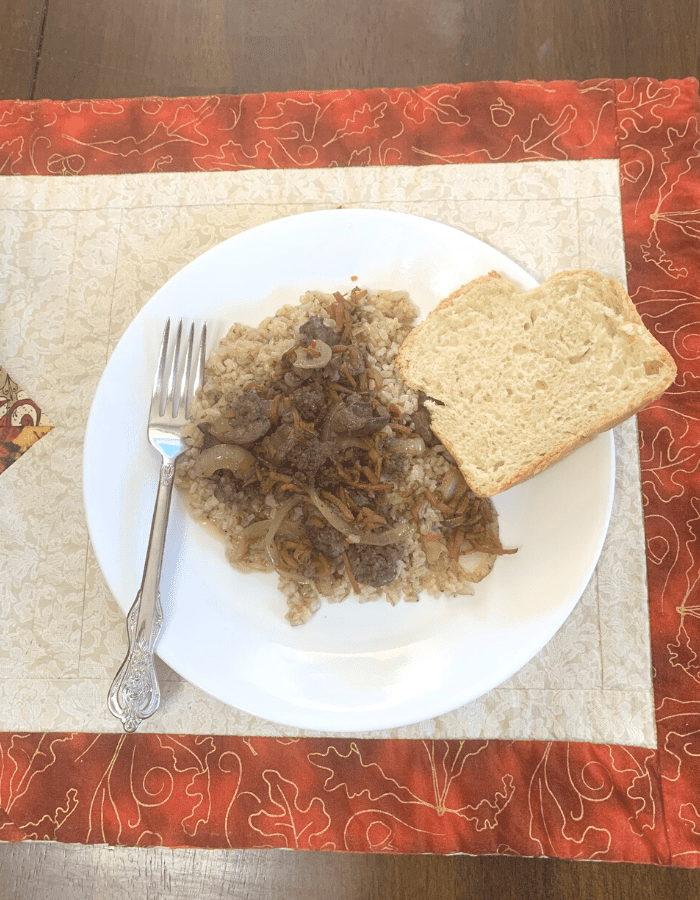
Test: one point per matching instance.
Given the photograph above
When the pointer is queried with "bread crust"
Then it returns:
(615, 298)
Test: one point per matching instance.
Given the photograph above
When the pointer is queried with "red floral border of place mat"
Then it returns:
(485, 122)
(568, 800)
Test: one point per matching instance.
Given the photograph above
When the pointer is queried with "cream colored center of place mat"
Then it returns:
(81, 256)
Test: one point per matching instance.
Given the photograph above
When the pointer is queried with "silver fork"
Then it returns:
(135, 693)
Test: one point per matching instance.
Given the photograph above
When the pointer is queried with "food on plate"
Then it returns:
(313, 459)
(517, 380)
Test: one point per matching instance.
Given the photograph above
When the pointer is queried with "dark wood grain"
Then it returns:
(187, 47)
(184, 47)
(662, 37)
(20, 38)
(544, 39)
(38, 871)
(552, 39)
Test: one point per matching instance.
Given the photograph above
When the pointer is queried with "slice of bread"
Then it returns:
(517, 380)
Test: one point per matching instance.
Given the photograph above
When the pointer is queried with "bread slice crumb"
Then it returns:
(519, 379)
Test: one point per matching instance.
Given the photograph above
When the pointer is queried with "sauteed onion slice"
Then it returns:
(391, 536)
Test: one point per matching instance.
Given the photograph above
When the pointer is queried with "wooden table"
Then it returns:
(63, 49)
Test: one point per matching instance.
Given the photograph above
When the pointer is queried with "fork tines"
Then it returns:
(179, 383)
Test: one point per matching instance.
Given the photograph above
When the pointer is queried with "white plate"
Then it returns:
(353, 667)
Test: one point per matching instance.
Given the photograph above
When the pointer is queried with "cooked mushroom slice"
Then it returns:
(412, 446)
(294, 380)
(353, 416)
(225, 456)
(421, 422)
(453, 485)
(247, 420)
(221, 431)
(315, 329)
(316, 356)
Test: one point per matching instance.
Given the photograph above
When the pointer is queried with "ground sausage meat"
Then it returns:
(309, 400)
(326, 539)
(375, 566)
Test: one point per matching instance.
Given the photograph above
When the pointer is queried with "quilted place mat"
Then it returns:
(131, 233)
(558, 798)
(22, 422)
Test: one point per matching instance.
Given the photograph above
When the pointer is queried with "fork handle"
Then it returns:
(135, 693)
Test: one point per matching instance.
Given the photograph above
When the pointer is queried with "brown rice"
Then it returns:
(381, 321)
